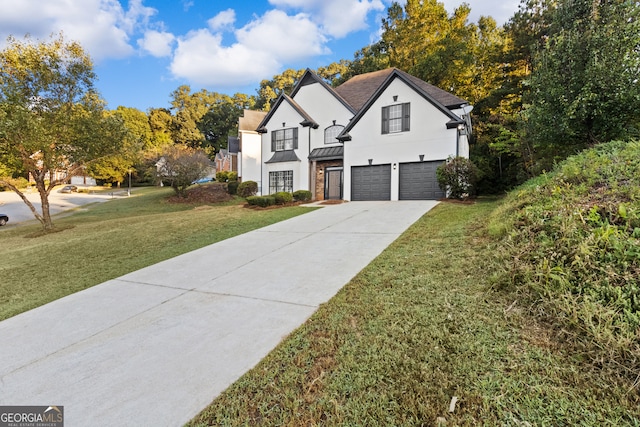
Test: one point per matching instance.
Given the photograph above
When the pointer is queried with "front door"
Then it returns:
(333, 184)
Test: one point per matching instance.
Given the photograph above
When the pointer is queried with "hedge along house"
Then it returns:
(378, 136)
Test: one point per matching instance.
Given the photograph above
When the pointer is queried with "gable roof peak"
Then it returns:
(358, 90)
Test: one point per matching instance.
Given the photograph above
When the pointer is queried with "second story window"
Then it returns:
(284, 139)
(331, 133)
(396, 118)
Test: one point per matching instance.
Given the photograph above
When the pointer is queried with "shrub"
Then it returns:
(283, 197)
(21, 183)
(457, 176)
(262, 201)
(232, 176)
(302, 195)
(247, 188)
(232, 187)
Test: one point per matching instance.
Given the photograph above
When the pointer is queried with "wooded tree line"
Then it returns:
(560, 76)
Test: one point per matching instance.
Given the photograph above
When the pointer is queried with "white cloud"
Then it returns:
(287, 38)
(223, 20)
(337, 18)
(157, 43)
(103, 27)
(201, 58)
(262, 47)
(500, 11)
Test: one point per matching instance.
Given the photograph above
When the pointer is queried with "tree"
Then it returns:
(422, 39)
(181, 165)
(138, 138)
(584, 84)
(189, 108)
(52, 122)
(160, 122)
(270, 90)
(221, 120)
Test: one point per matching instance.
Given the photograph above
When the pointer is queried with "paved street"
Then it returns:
(11, 204)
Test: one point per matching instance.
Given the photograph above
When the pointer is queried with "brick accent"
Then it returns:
(319, 176)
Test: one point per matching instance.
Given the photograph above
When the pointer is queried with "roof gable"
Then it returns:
(309, 77)
(365, 89)
(359, 89)
(306, 119)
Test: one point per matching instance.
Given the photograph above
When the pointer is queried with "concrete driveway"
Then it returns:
(154, 347)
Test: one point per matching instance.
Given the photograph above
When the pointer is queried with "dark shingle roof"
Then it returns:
(368, 87)
(233, 143)
(359, 89)
(250, 120)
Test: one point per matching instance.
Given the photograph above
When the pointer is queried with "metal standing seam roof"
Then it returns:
(327, 153)
(283, 156)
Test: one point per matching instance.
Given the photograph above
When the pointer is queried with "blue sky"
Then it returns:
(144, 49)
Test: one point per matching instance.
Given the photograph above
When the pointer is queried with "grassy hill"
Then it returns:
(570, 241)
(514, 312)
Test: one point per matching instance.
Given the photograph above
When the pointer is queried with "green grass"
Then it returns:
(106, 240)
(570, 239)
(415, 328)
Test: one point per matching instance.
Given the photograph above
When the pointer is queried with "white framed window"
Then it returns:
(331, 133)
(396, 118)
(284, 139)
(280, 181)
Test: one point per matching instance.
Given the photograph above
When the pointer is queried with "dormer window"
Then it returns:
(284, 139)
(396, 118)
(331, 133)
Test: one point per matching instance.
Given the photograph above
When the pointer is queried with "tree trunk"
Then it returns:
(47, 224)
(44, 221)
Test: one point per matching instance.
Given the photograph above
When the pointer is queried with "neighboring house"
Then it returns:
(378, 136)
(249, 152)
(227, 160)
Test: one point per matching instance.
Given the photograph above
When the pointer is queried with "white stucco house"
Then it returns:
(249, 147)
(378, 136)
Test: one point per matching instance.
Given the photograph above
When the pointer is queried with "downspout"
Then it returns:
(311, 172)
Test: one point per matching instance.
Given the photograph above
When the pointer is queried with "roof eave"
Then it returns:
(452, 124)
(309, 123)
(344, 137)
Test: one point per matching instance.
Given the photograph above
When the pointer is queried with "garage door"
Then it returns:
(418, 181)
(371, 182)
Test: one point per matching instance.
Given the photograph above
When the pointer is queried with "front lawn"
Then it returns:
(107, 240)
(417, 333)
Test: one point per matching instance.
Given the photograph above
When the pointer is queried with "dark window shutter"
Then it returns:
(406, 116)
(295, 138)
(385, 120)
(273, 140)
